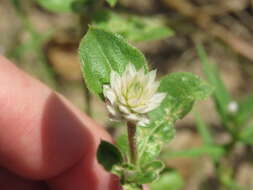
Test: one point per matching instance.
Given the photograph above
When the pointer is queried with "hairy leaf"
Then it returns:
(155, 166)
(151, 140)
(143, 177)
(147, 173)
(100, 52)
(182, 89)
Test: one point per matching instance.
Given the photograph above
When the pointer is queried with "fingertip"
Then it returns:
(10, 181)
(87, 174)
(42, 134)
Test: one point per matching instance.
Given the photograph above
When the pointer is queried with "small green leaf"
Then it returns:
(203, 130)
(143, 177)
(132, 27)
(221, 95)
(57, 6)
(170, 180)
(108, 155)
(147, 174)
(182, 89)
(100, 52)
(151, 140)
(112, 3)
(154, 166)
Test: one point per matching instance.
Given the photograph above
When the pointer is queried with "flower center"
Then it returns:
(134, 92)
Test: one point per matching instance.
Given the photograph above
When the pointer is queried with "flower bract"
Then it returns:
(132, 95)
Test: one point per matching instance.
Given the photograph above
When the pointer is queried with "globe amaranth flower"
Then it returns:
(132, 95)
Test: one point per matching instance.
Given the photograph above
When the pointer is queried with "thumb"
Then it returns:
(44, 137)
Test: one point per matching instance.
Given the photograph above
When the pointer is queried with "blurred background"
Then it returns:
(43, 39)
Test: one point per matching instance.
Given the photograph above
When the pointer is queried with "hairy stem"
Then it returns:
(131, 129)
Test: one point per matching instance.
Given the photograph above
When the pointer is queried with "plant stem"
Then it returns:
(131, 129)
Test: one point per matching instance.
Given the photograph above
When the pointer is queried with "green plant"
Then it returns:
(118, 73)
(105, 58)
(235, 117)
(132, 27)
(236, 120)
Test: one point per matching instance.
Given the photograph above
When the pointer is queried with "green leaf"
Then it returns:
(133, 28)
(245, 110)
(203, 130)
(143, 177)
(211, 150)
(151, 140)
(100, 52)
(112, 3)
(57, 6)
(122, 143)
(108, 155)
(147, 174)
(154, 166)
(246, 134)
(221, 95)
(182, 89)
(170, 180)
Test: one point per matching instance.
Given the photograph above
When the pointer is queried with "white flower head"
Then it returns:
(132, 95)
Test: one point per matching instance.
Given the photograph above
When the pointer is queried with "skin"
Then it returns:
(45, 142)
